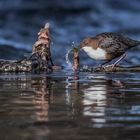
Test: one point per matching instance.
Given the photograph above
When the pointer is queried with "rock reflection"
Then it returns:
(42, 89)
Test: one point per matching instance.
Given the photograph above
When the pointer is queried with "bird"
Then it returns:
(107, 47)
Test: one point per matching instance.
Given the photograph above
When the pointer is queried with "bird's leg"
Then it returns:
(114, 64)
(103, 64)
(122, 57)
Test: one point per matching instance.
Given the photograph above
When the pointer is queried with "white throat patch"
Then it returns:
(98, 54)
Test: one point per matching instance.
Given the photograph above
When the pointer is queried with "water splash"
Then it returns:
(68, 62)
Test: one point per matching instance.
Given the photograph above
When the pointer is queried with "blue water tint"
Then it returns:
(20, 20)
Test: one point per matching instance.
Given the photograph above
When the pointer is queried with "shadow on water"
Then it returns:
(67, 106)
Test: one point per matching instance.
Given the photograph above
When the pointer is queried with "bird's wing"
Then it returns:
(112, 46)
(115, 37)
(129, 42)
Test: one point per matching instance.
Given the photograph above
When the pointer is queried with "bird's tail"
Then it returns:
(130, 42)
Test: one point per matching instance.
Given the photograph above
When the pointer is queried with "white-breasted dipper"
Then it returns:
(107, 46)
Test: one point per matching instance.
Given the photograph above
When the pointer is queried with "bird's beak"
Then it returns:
(79, 47)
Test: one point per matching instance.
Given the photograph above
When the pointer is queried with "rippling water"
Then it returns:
(71, 21)
(67, 106)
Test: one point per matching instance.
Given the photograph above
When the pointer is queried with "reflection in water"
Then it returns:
(95, 103)
(71, 84)
(69, 106)
(42, 89)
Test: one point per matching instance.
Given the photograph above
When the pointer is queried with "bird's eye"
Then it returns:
(86, 43)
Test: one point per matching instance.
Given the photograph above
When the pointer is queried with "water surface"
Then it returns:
(66, 106)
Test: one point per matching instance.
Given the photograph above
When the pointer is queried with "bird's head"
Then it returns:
(87, 42)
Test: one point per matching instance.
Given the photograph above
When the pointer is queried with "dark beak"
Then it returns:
(79, 47)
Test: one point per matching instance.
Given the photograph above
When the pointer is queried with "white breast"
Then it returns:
(98, 53)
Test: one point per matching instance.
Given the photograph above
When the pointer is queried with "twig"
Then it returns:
(75, 59)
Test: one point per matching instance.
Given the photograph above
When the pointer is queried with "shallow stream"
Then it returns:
(67, 106)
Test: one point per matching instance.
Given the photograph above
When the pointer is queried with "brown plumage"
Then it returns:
(111, 45)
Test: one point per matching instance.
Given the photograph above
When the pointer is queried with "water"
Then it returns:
(68, 62)
(62, 105)
(20, 21)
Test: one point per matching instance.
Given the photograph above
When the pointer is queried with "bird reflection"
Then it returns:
(95, 102)
(96, 99)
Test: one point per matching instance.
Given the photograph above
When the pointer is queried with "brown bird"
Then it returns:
(107, 46)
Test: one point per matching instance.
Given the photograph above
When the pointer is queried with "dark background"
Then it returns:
(71, 21)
